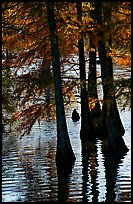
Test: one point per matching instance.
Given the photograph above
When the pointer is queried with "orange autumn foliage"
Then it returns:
(25, 35)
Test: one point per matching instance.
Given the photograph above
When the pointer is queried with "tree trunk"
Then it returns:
(86, 121)
(64, 154)
(112, 124)
(92, 82)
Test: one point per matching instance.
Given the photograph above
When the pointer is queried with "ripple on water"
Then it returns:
(29, 171)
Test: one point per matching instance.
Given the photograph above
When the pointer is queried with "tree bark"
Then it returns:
(64, 154)
(87, 131)
(112, 125)
(92, 82)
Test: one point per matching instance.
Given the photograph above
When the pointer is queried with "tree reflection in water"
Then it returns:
(89, 162)
(90, 171)
(63, 182)
(111, 162)
(30, 174)
(40, 171)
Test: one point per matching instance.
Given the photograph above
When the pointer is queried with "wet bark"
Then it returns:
(86, 121)
(64, 154)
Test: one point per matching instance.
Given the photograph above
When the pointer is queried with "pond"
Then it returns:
(29, 172)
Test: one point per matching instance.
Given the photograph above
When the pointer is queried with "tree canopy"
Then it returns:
(27, 77)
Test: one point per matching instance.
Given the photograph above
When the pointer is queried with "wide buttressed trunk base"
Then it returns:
(96, 111)
(117, 115)
(87, 128)
(112, 131)
(65, 156)
(116, 146)
(111, 122)
(119, 147)
(86, 134)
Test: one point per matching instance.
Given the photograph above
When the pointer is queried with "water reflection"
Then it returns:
(89, 163)
(63, 182)
(29, 172)
(112, 162)
(91, 170)
(40, 170)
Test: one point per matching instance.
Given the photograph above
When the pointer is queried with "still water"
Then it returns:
(29, 172)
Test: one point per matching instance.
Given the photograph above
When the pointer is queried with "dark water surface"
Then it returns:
(29, 172)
